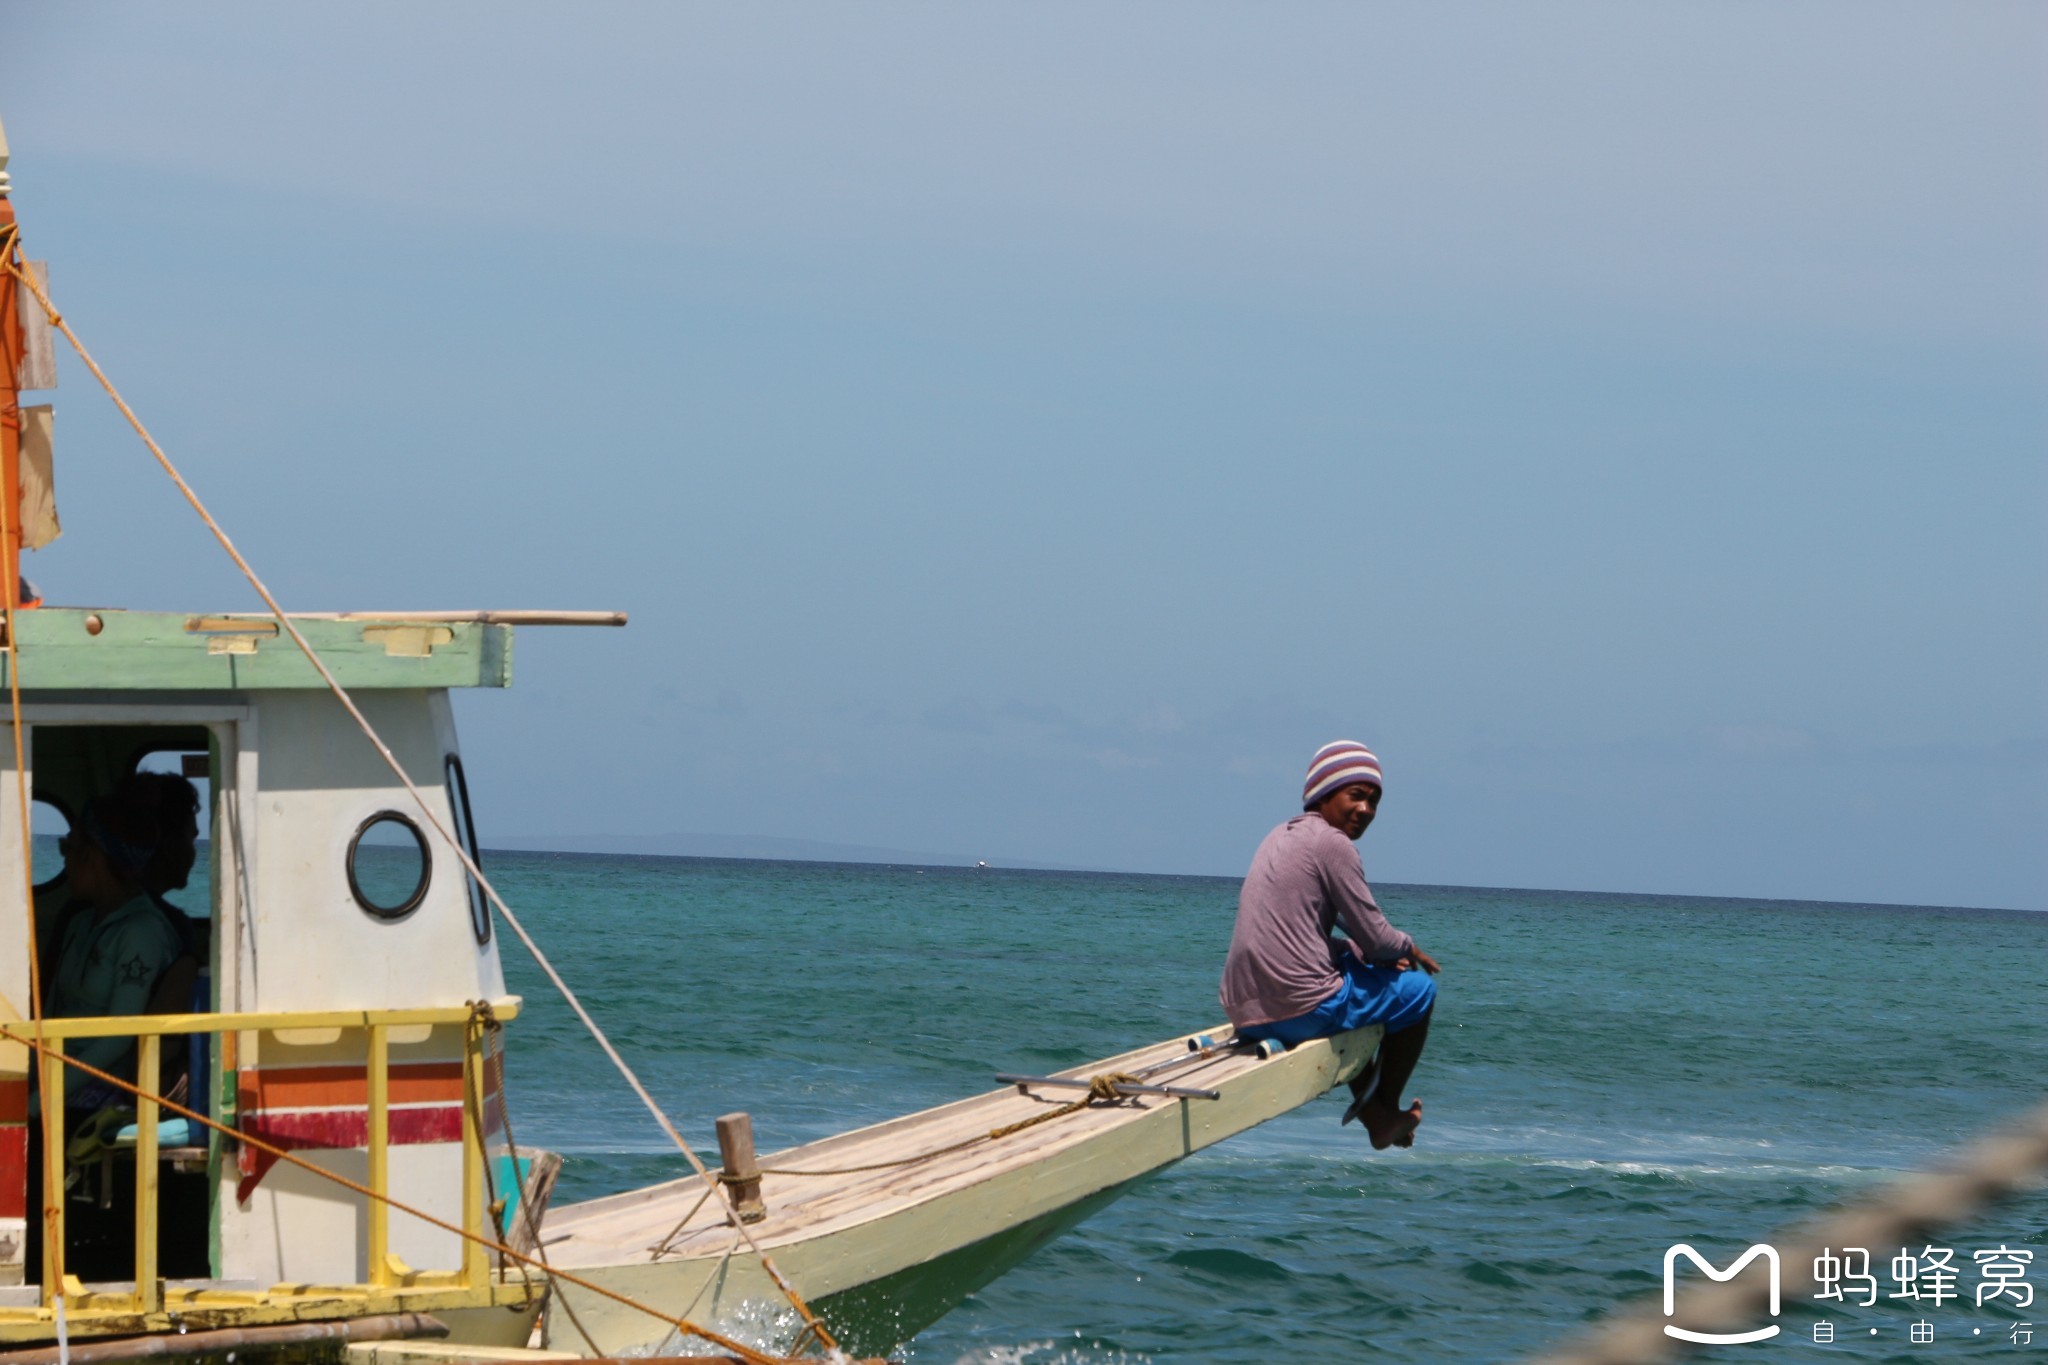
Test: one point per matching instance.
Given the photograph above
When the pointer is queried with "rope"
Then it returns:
(660, 1249)
(740, 1349)
(495, 1062)
(1990, 1169)
(1102, 1087)
(469, 864)
(10, 507)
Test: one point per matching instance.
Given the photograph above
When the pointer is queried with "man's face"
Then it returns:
(171, 868)
(1352, 808)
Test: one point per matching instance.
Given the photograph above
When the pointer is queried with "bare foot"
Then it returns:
(1391, 1127)
(1362, 1090)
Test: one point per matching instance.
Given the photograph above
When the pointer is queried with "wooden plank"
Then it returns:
(160, 650)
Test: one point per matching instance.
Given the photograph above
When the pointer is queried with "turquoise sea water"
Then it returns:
(1607, 1075)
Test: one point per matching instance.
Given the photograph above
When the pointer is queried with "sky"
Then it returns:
(1028, 432)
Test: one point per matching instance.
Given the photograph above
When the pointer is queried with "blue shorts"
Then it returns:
(1372, 993)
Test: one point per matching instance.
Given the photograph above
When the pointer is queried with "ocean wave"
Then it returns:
(1263, 1165)
(1048, 1353)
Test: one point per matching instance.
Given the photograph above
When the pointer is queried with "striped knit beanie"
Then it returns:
(1337, 766)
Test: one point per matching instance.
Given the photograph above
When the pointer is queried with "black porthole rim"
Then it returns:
(479, 905)
(412, 902)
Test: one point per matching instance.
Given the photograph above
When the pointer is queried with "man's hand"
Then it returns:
(1417, 958)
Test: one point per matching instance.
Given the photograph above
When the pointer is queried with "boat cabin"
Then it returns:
(338, 951)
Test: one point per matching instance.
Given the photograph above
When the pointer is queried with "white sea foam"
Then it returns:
(1049, 1353)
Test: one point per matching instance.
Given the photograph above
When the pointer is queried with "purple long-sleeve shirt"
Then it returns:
(1305, 881)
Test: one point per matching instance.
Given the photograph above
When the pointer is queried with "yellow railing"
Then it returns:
(384, 1271)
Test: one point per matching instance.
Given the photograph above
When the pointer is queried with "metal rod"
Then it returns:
(1191, 1056)
(1121, 1087)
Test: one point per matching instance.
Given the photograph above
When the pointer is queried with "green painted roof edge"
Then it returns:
(137, 650)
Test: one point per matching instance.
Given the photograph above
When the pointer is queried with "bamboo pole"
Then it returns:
(375, 1327)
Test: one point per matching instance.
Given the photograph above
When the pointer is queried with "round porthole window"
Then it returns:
(51, 824)
(388, 865)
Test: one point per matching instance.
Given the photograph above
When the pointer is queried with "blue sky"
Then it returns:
(1029, 432)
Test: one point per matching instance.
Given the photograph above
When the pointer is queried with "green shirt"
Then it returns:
(107, 968)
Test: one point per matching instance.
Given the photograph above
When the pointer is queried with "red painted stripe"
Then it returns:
(13, 1172)
(321, 1087)
(337, 1128)
(14, 1101)
(351, 1127)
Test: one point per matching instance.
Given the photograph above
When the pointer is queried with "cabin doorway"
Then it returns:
(167, 783)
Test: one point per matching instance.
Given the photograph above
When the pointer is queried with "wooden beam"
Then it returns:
(105, 650)
(481, 618)
(742, 1173)
(267, 1021)
(383, 1325)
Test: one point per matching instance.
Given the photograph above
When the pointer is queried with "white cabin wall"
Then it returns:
(306, 944)
(300, 1228)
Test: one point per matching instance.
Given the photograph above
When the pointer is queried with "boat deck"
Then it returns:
(949, 1150)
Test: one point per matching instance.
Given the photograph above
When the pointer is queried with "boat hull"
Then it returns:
(880, 1274)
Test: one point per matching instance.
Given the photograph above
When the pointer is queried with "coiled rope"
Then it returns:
(10, 261)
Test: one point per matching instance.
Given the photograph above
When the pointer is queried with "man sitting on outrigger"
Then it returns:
(1288, 977)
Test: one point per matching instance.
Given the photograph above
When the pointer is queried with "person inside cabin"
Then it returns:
(117, 943)
(174, 802)
(1289, 977)
(114, 949)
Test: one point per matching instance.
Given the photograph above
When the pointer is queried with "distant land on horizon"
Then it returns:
(770, 847)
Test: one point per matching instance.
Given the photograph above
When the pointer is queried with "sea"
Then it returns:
(1607, 1075)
